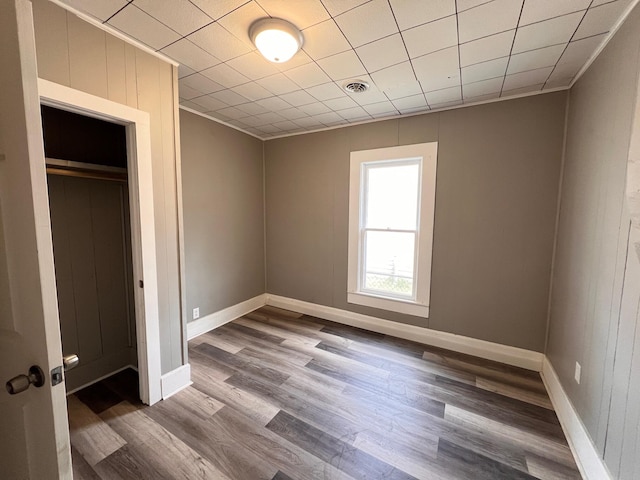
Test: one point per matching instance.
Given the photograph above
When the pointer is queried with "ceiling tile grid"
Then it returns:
(416, 55)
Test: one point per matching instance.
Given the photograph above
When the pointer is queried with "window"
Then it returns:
(391, 209)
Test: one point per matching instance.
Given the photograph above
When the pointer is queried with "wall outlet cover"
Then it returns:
(196, 313)
(577, 373)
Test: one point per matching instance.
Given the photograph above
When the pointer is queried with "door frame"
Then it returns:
(143, 243)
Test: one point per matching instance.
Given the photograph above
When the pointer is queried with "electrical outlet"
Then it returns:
(196, 313)
(576, 375)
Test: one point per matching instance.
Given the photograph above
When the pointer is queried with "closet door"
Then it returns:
(91, 247)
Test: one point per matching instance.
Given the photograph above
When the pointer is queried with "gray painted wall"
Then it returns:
(496, 198)
(222, 184)
(596, 284)
(76, 54)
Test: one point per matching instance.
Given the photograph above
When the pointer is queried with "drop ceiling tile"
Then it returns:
(558, 81)
(485, 70)
(217, 8)
(409, 103)
(253, 121)
(269, 117)
(601, 2)
(194, 106)
(185, 52)
(431, 37)
(239, 20)
(302, 13)
(485, 87)
(315, 108)
(524, 79)
(308, 122)
(225, 75)
(336, 7)
(406, 90)
(298, 98)
(393, 77)
(307, 75)
(180, 15)
(229, 97)
(219, 42)
(367, 22)
(538, 10)
(439, 106)
(467, 4)
(278, 84)
(340, 103)
(292, 113)
(252, 91)
(370, 96)
(324, 39)
(252, 108)
(209, 102)
(142, 26)
(253, 65)
(410, 13)
(100, 10)
(578, 52)
(438, 70)
(489, 18)
(521, 90)
(550, 32)
(326, 91)
(487, 48)
(187, 93)
(600, 19)
(269, 129)
(343, 65)
(299, 59)
(383, 53)
(287, 125)
(542, 57)
(201, 83)
(231, 112)
(184, 71)
(380, 108)
(481, 98)
(329, 118)
(354, 113)
(445, 95)
(274, 104)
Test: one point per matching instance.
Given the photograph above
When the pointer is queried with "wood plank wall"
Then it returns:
(79, 55)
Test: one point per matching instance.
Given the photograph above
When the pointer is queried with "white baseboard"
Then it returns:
(175, 380)
(217, 319)
(590, 464)
(518, 357)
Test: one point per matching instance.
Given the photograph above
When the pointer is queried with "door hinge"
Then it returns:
(140, 283)
(56, 376)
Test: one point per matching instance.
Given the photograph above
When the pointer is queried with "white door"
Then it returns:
(34, 435)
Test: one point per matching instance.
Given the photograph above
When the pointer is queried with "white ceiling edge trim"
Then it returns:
(604, 42)
(415, 114)
(116, 33)
(217, 120)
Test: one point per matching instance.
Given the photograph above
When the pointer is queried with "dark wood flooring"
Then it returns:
(277, 395)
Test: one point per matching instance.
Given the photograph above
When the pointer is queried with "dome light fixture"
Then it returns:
(276, 39)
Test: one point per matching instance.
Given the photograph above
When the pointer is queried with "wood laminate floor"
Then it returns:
(277, 395)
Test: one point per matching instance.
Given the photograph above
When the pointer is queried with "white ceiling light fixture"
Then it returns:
(276, 39)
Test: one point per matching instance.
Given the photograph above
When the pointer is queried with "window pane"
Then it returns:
(392, 196)
(388, 263)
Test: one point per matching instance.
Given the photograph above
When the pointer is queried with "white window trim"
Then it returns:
(428, 152)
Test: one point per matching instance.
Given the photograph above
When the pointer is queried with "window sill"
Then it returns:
(385, 303)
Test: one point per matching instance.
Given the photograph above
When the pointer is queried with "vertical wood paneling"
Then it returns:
(171, 208)
(131, 77)
(50, 23)
(632, 420)
(149, 99)
(87, 57)
(107, 214)
(116, 70)
(101, 65)
(64, 271)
